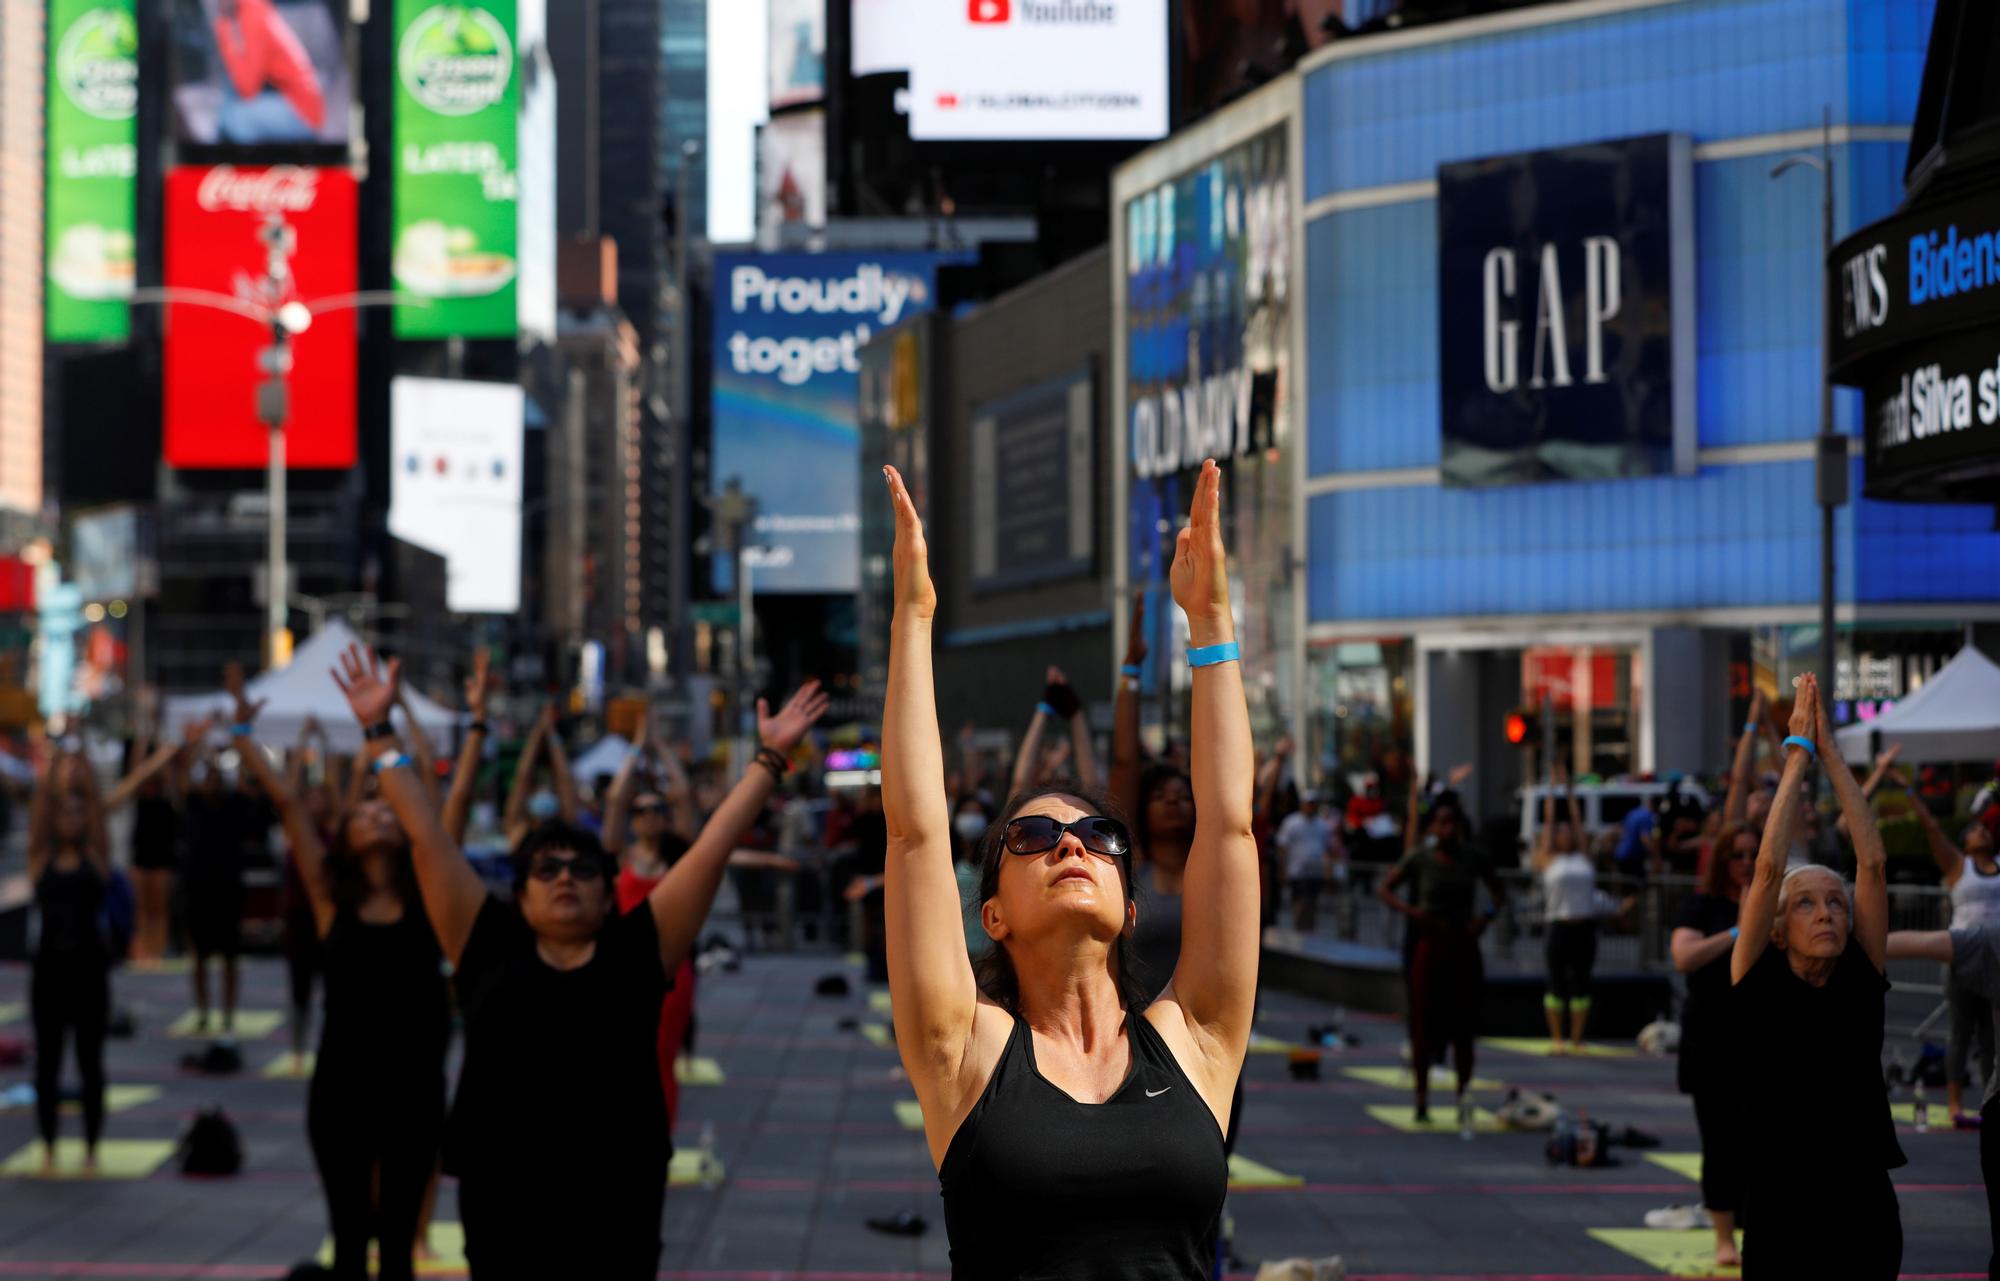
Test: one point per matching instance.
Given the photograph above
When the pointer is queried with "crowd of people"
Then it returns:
(1071, 946)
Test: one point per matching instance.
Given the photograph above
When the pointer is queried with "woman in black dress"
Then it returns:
(561, 995)
(1703, 938)
(1809, 990)
(375, 1111)
(1077, 1129)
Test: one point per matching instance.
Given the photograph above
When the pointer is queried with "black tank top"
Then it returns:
(388, 1008)
(69, 903)
(1039, 1187)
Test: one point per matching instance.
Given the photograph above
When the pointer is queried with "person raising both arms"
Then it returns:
(528, 805)
(1809, 996)
(561, 995)
(375, 1109)
(1569, 897)
(1077, 1128)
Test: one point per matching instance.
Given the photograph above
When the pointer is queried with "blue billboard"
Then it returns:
(789, 328)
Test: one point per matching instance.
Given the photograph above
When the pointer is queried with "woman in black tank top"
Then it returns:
(1077, 1128)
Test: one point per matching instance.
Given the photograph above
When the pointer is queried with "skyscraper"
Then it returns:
(21, 40)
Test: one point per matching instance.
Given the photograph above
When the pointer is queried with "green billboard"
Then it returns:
(93, 159)
(457, 185)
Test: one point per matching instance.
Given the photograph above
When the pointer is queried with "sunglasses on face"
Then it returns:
(580, 869)
(648, 811)
(1038, 834)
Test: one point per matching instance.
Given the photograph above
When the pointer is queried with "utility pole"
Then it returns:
(273, 407)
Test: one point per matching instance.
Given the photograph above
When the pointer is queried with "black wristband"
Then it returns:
(774, 760)
(477, 727)
(381, 729)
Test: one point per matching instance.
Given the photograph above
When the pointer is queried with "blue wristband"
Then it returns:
(242, 729)
(1735, 932)
(1797, 741)
(1210, 655)
(387, 761)
(1047, 711)
(1131, 669)
(1749, 727)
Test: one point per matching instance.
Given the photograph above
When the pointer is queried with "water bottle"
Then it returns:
(711, 1169)
(1923, 1109)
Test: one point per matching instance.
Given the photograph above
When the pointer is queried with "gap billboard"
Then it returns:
(93, 159)
(457, 143)
(789, 329)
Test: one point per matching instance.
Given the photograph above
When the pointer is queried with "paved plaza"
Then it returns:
(805, 1112)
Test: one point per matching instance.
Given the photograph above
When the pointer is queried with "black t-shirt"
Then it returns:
(561, 1071)
(212, 831)
(1818, 1052)
(1707, 1045)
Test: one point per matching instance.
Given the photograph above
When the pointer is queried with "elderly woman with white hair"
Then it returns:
(1809, 985)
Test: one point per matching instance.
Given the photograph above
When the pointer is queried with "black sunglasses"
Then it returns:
(1038, 834)
(580, 869)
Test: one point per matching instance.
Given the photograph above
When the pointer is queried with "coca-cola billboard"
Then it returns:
(220, 225)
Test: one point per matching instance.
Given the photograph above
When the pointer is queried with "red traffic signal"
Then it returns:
(1518, 728)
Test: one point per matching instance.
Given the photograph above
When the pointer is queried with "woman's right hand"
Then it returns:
(476, 684)
(1805, 708)
(1135, 635)
(234, 685)
(369, 684)
(914, 590)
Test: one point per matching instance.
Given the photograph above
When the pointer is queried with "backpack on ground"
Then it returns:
(211, 1147)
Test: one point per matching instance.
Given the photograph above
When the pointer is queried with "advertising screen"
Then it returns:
(455, 485)
(881, 37)
(1034, 485)
(791, 173)
(1208, 358)
(457, 186)
(789, 329)
(93, 159)
(798, 52)
(1039, 69)
(218, 218)
(1566, 313)
(260, 73)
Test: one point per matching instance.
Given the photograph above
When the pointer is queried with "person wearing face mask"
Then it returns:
(375, 1109)
(529, 805)
(561, 995)
(1809, 994)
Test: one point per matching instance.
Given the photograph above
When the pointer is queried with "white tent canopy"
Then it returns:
(303, 689)
(605, 756)
(1953, 716)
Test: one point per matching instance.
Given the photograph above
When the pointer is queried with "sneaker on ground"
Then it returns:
(1677, 1218)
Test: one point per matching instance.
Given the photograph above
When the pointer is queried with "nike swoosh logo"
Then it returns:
(1154, 1094)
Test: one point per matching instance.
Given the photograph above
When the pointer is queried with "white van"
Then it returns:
(1602, 806)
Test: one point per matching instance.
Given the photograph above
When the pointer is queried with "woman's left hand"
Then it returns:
(233, 684)
(782, 732)
(1201, 565)
(369, 683)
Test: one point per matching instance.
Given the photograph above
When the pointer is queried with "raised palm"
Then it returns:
(1201, 565)
(475, 684)
(911, 563)
(237, 689)
(371, 686)
(782, 731)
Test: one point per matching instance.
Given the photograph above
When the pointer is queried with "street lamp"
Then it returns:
(286, 317)
(1830, 454)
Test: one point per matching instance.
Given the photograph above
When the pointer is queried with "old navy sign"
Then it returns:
(1566, 313)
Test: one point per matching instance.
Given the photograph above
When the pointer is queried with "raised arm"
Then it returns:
(1950, 858)
(565, 778)
(515, 817)
(1760, 899)
(300, 834)
(1871, 858)
(451, 890)
(1029, 757)
(930, 976)
(1737, 800)
(1088, 772)
(128, 787)
(1128, 762)
(421, 748)
(465, 774)
(682, 899)
(681, 809)
(1216, 981)
(1544, 850)
(618, 805)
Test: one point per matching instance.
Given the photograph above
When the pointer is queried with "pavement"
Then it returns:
(808, 1116)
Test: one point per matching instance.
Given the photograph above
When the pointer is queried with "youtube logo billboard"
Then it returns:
(216, 230)
(990, 10)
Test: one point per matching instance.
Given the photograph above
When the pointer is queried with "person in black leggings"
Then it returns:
(70, 986)
(1077, 1129)
(375, 1110)
(559, 1133)
(1703, 938)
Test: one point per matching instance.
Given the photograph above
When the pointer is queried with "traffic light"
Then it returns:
(1520, 728)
